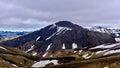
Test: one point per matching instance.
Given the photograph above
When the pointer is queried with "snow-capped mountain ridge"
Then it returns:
(61, 35)
(114, 31)
(60, 30)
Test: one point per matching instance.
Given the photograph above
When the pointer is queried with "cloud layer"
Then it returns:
(35, 14)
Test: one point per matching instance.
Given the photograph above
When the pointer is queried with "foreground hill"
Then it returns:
(61, 35)
(15, 58)
(101, 56)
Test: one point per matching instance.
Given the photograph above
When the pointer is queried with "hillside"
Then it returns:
(15, 58)
(101, 56)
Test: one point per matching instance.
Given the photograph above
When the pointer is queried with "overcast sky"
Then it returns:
(35, 14)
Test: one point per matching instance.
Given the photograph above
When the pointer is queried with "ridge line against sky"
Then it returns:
(35, 14)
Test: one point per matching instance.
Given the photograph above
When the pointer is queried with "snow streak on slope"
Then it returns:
(48, 47)
(60, 30)
(38, 38)
(32, 47)
(112, 52)
(106, 46)
(107, 49)
(87, 56)
(50, 36)
(47, 50)
(2, 48)
(45, 54)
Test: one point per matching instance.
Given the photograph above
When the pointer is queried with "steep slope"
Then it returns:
(61, 35)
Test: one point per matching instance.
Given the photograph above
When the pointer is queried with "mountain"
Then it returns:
(5, 38)
(11, 33)
(114, 31)
(61, 35)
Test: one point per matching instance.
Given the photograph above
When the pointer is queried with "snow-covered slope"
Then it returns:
(115, 31)
(100, 29)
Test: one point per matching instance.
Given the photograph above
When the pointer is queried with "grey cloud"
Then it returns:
(34, 14)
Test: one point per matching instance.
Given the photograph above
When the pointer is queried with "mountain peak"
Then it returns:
(64, 23)
(68, 24)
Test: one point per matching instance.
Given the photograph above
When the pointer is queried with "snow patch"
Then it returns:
(61, 29)
(117, 39)
(48, 47)
(106, 46)
(63, 47)
(117, 34)
(87, 56)
(14, 65)
(32, 47)
(3, 48)
(106, 67)
(50, 36)
(80, 51)
(112, 52)
(68, 28)
(45, 62)
(74, 45)
(75, 51)
(45, 54)
(53, 26)
(34, 54)
(38, 38)
(98, 52)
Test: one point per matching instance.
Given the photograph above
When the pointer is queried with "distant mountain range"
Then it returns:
(10, 33)
(114, 31)
(61, 35)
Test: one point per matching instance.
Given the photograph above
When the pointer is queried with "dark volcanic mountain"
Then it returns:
(61, 35)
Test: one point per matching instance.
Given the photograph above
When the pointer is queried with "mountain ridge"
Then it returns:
(54, 37)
